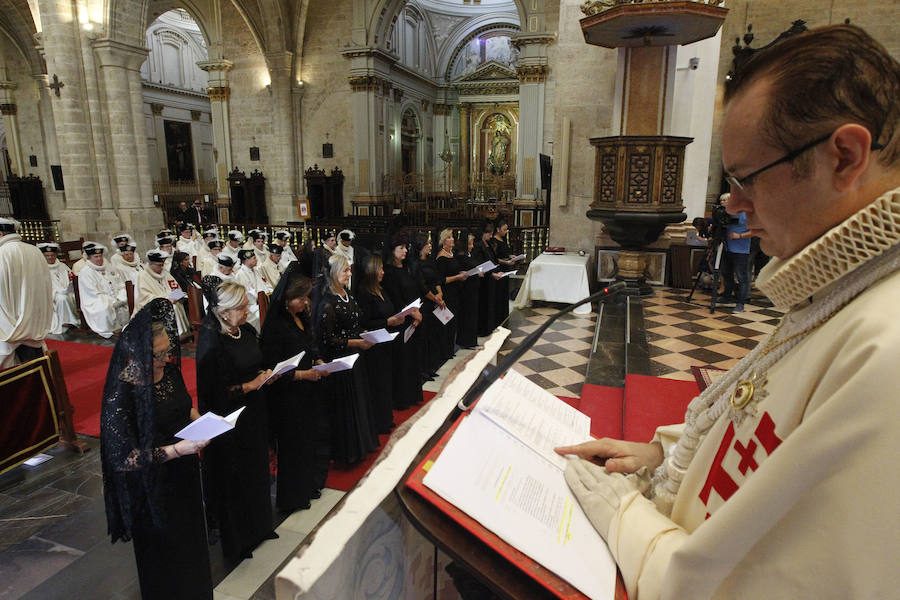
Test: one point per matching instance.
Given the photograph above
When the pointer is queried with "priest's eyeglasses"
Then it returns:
(741, 184)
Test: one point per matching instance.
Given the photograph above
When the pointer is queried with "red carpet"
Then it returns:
(344, 478)
(654, 401)
(84, 368)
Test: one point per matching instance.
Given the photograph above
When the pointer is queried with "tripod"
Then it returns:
(717, 245)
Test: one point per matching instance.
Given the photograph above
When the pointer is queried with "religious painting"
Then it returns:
(498, 137)
(492, 46)
(179, 150)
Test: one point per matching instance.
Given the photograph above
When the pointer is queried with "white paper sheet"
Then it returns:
(209, 425)
(443, 314)
(486, 266)
(417, 303)
(408, 333)
(285, 366)
(534, 416)
(508, 273)
(518, 258)
(345, 363)
(176, 295)
(497, 480)
(379, 336)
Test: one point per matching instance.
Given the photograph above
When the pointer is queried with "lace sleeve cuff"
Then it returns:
(159, 456)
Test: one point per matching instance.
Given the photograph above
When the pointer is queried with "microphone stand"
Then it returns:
(490, 374)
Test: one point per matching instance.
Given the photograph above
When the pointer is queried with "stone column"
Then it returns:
(159, 129)
(282, 181)
(532, 72)
(62, 52)
(364, 128)
(219, 97)
(464, 159)
(9, 111)
(55, 198)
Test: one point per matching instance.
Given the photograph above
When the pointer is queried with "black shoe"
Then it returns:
(316, 494)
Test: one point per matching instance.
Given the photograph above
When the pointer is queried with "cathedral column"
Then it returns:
(114, 60)
(532, 72)
(283, 181)
(55, 198)
(219, 96)
(464, 160)
(9, 110)
(159, 131)
(364, 128)
(62, 52)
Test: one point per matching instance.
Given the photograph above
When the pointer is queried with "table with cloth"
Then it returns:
(556, 278)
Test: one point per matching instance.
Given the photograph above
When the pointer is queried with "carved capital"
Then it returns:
(156, 108)
(442, 110)
(219, 93)
(8, 109)
(532, 73)
(363, 83)
(195, 115)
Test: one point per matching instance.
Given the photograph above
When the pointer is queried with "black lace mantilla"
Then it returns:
(128, 420)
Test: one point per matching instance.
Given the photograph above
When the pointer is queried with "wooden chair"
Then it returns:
(129, 294)
(263, 299)
(195, 310)
(66, 247)
(78, 310)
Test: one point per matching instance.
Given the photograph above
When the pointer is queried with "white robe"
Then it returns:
(150, 286)
(270, 273)
(26, 298)
(130, 270)
(250, 279)
(63, 298)
(208, 265)
(103, 302)
(186, 245)
(287, 257)
(79, 264)
(227, 250)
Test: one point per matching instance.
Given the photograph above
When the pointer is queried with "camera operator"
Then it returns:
(735, 261)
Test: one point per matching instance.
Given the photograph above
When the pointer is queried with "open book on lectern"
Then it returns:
(499, 468)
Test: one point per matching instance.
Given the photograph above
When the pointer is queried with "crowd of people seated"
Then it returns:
(321, 300)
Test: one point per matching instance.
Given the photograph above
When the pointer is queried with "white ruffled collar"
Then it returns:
(841, 250)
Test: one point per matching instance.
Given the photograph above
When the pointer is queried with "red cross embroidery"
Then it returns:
(746, 453)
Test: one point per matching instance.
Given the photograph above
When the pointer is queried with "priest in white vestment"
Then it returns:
(186, 242)
(210, 260)
(269, 268)
(283, 239)
(26, 297)
(203, 245)
(79, 264)
(166, 245)
(63, 291)
(101, 287)
(157, 282)
(128, 262)
(258, 239)
(233, 244)
(248, 276)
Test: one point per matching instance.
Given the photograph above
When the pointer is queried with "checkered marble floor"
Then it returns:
(559, 361)
(681, 335)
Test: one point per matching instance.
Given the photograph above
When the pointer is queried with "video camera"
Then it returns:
(720, 222)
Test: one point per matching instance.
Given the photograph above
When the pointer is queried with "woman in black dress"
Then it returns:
(297, 400)
(151, 481)
(467, 328)
(481, 253)
(230, 374)
(454, 278)
(402, 288)
(504, 255)
(182, 271)
(353, 430)
(430, 280)
(378, 313)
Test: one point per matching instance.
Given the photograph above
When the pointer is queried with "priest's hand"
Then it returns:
(617, 456)
(601, 493)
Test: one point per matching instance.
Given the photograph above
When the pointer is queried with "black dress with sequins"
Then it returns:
(353, 429)
(238, 482)
(172, 553)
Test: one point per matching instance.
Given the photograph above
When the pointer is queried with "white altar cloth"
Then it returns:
(556, 278)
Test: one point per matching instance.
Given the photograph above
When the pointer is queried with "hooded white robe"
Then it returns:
(26, 298)
(103, 301)
(63, 297)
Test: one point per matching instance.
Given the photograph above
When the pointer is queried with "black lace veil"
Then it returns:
(127, 420)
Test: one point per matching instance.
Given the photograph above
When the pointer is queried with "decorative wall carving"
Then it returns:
(8, 109)
(532, 73)
(218, 93)
(364, 83)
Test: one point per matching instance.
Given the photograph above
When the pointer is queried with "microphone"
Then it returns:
(491, 374)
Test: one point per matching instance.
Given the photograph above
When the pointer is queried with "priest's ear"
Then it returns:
(850, 155)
